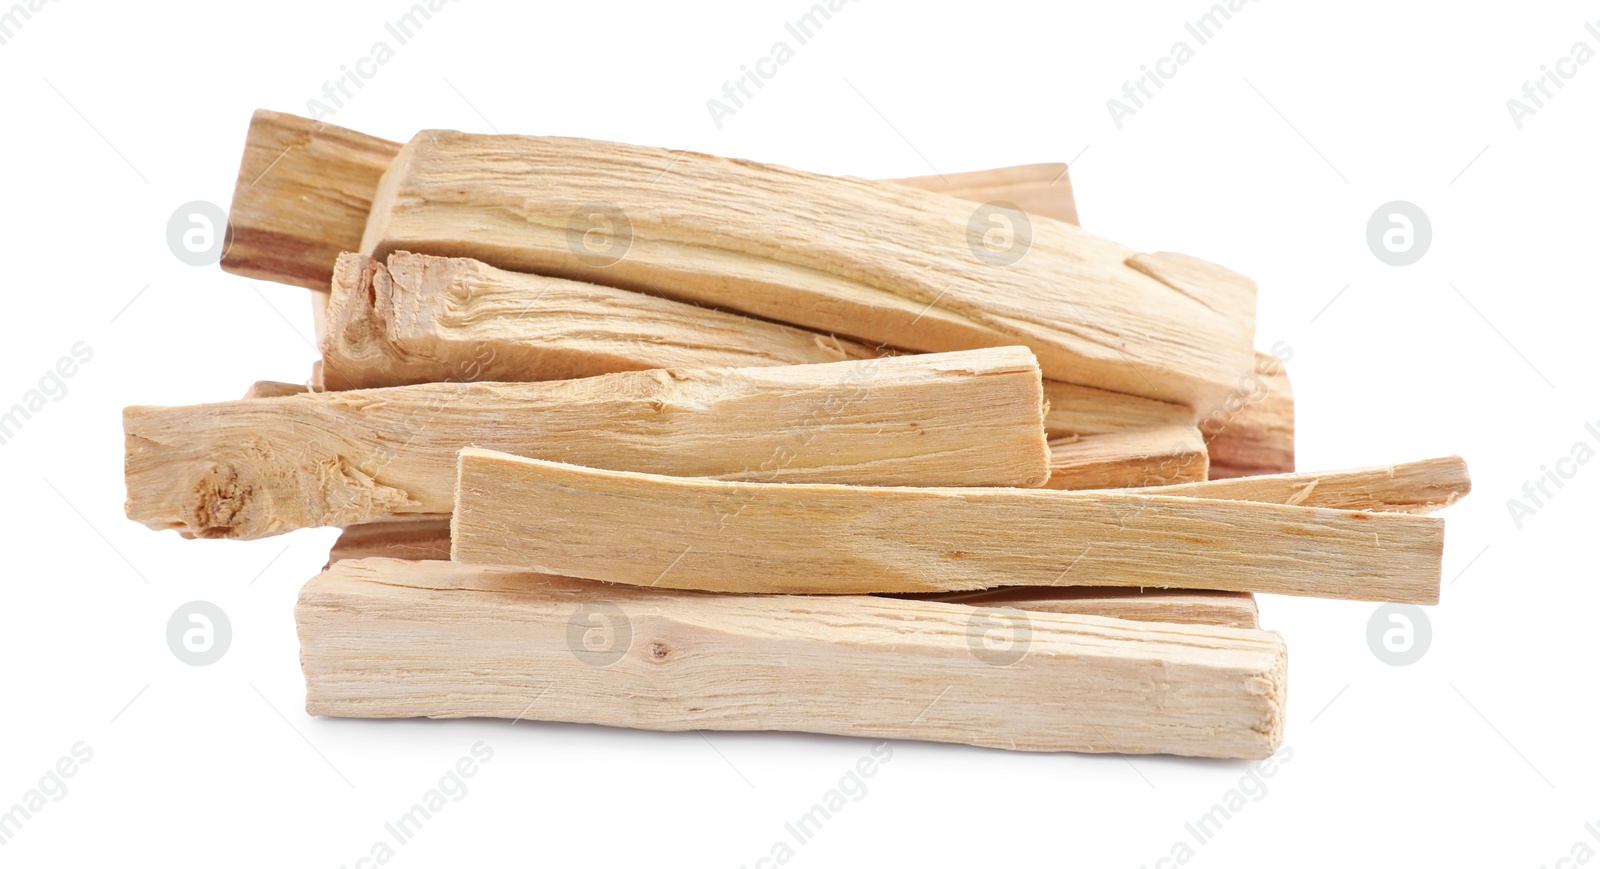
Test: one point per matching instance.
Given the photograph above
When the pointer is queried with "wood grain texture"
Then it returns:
(1041, 189)
(647, 529)
(427, 538)
(1076, 411)
(259, 467)
(1251, 432)
(274, 389)
(1176, 605)
(421, 319)
(879, 262)
(393, 639)
(302, 197)
(1137, 457)
(1409, 487)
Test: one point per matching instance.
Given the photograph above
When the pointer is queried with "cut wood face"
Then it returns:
(259, 467)
(427, 538)
(422, 319)
(1041, 189)
(302, 197)
(646, 529)
(876, 261)
(387, 639)
(1139, 457)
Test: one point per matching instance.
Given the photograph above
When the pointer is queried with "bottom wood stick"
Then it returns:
(383, 638)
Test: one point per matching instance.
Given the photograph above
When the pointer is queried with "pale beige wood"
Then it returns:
(427, 538)
(648, 529)
(1083, 410)
(876, 261)
(1041, 189)
(264, 466)
(1137, 457)
(390, 639)
(1409, 487)
(302, 197)
(420, 319)
(424, 537)
(1252, 431)
(1186, 606)
(273, 389)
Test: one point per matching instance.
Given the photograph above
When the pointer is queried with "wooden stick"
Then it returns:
(427, 538)
(1252, 431)
(302, 197)
(1139, 457)
(393, 639)
(1175, 605)
(1411, 487)
(896, 266)
(264, 466)
(1041, 189)
(421, 319)
(647, 529)
(273, 389)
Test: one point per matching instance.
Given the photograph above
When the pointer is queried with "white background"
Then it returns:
(1268, 152)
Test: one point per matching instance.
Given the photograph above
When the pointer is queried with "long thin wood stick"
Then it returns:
(1041, 189)
(647, 529)
(896, 266)
(1137, 457)
(258, 467)
(1410, 487)
(421, 319)
(427, 538)
(387, 639)
(1179, 605)
(302, 197)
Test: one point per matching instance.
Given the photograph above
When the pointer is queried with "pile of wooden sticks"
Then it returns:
(656, 439)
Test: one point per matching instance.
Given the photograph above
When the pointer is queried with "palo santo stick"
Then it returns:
(1041, 189)
(259, 467)
(302, 197)
(393, 639)
(1185, 606)
(273, 389)
(1138, 457)
(427, 538)
(1252, 432)
(1410, 487)
(894, 265)
(421, 319)
(414, 538)
(1083, 410)
(647, 529)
